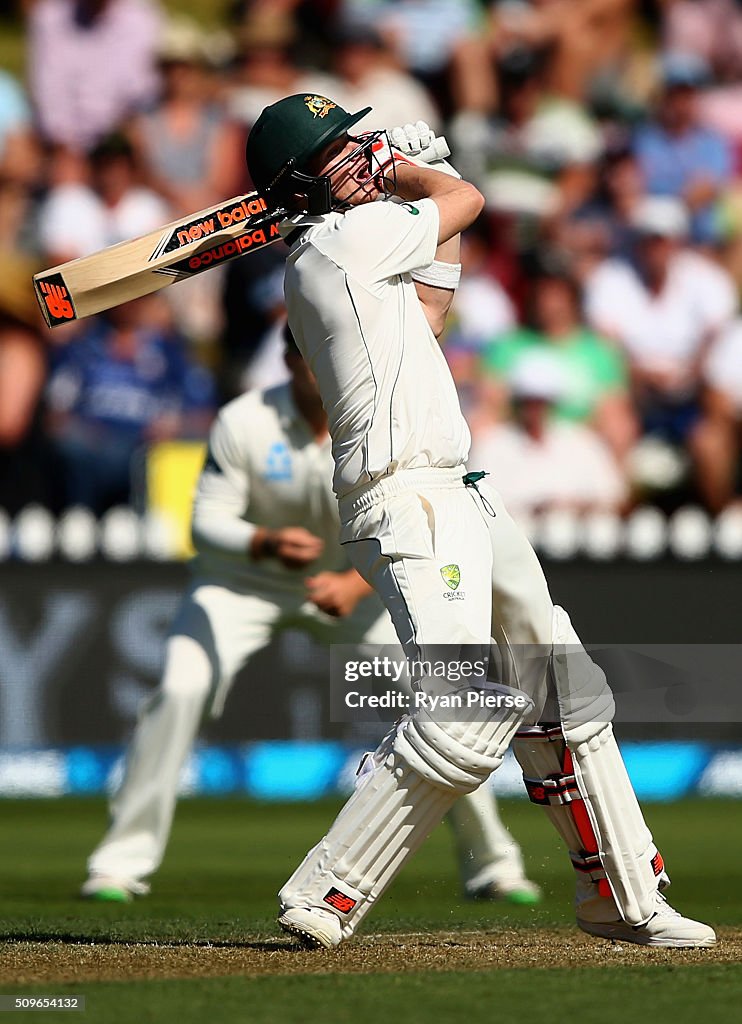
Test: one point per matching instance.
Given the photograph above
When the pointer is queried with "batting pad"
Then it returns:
(383, 823)
(418, 772)
(575, 770)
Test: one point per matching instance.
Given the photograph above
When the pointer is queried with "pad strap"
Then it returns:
(554, 790)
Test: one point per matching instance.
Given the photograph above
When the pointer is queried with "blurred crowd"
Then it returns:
(596, 338)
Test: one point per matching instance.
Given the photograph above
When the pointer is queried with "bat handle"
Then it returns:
(437, 150)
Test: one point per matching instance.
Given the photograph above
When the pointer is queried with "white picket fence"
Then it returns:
(121, 535)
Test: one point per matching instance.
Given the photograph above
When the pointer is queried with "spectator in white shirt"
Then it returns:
(666, 314)
(78, 218)
(539, 462)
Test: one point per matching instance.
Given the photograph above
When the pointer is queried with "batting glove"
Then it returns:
(412, 139)
(418, 142)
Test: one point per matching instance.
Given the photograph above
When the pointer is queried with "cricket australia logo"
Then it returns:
(320, 106)
(452, 578)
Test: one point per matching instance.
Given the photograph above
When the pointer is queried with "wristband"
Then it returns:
(267, 544)
(439, 275)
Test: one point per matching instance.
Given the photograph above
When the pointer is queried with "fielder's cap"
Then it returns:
(294, 128)
(663, 216)
(680, 68)
(537, 375)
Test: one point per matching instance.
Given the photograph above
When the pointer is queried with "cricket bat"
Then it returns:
(175, 252)
(139, 266)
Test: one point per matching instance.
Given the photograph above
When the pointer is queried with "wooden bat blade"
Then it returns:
(143, 265)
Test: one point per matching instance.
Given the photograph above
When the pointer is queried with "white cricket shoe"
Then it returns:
(313, 926)
(107, 889)
(666, 927)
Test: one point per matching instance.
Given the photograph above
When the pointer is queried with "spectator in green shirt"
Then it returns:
(594, 375)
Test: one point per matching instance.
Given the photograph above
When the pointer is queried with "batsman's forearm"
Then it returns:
(419, 181)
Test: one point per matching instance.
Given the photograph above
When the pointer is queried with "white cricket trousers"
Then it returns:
(453, 568)
(404, 534)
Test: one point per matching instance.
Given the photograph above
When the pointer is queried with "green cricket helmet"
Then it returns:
(287, 135)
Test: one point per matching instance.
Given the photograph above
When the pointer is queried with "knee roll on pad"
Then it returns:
(462, 753)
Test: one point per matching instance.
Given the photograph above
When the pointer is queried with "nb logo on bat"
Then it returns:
(57, 302)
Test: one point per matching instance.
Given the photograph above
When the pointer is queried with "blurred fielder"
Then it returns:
(368, 286)
(268, 469)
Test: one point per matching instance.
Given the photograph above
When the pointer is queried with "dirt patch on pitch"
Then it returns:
(26, 963)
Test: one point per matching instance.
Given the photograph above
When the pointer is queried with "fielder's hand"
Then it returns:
(337, 593)
(292, 545)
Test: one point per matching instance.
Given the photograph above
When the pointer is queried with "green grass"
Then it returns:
(611, 996)
(226, 861)
(228, 858)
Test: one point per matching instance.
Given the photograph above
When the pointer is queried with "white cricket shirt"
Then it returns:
(390, 399)
(666, 330)
(264, 468)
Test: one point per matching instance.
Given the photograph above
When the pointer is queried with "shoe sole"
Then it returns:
(522, 899)
(619, 935)
(108, 896)
(306, 938)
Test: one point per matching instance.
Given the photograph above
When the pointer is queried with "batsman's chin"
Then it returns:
(362, 198)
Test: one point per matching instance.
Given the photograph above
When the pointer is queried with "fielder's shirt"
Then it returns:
(263, 468)
(352, 305)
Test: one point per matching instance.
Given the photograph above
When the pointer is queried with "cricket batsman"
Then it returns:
(371, 273)
(265, 526)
